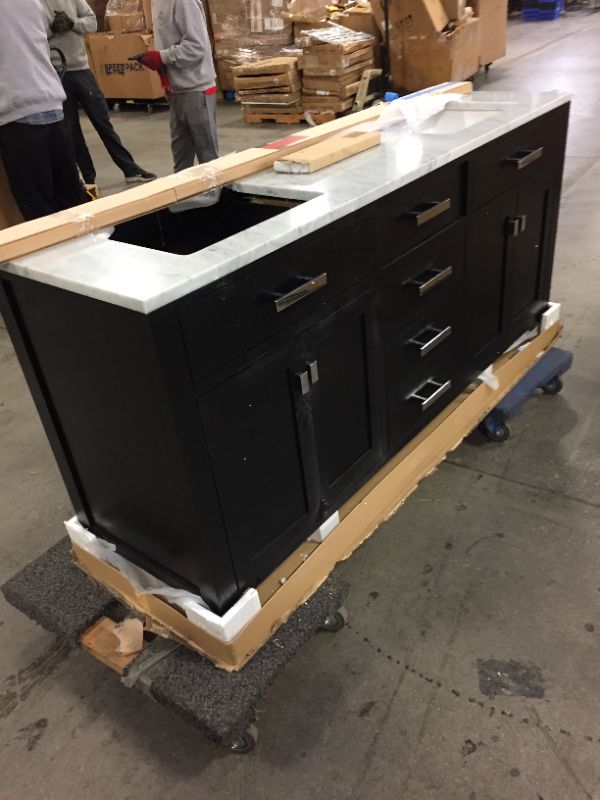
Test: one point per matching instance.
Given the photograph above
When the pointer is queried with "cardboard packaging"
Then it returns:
(410, 17)
(362, 19)
(428, 60)
(455, 9)
(492, 19)
(251, 22)
(229, 54)
(147, 6)
(126, 23)
(118, 77)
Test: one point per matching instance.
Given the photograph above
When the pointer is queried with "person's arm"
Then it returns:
(190, 20)
(48, 18)
(86, 21)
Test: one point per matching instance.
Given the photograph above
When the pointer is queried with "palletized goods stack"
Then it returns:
(334, 62)
(269, 90)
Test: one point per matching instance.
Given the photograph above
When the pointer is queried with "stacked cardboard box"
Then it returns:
(333, 65)
(269, 88)
(247, 31)
(426, 46)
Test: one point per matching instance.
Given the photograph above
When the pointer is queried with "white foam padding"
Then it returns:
(326, 528)
(224, 628)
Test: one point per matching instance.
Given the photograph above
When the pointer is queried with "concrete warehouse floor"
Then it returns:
(495, 558)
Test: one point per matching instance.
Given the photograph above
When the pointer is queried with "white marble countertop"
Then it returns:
(145, 280)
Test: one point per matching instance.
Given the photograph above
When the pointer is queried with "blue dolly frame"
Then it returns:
(545, 375)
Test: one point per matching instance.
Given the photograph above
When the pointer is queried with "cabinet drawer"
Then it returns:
(526, 151)
(413, 213)
(423, 277)
(425, 369)
(276, 292)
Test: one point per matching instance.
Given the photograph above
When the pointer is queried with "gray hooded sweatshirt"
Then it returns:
(181, 36)
(29, 83)
(72, 43)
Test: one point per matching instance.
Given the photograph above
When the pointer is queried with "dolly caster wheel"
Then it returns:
(496, 433)
(246, 743)
(335, 622)
(553, 387)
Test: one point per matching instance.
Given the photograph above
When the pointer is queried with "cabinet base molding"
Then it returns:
(299, 577)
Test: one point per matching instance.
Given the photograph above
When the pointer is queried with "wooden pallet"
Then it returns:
(286, 119)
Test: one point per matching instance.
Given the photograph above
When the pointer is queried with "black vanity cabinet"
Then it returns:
(209, 438)
(513, 196)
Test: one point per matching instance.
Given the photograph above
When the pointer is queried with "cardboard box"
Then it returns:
(250, 22)
(455, 9)
(118, 77)
(492, 19)
(362, 20)
(147, 6)
(429, 60)
(9, 213)
(126, 23)
(413, 16)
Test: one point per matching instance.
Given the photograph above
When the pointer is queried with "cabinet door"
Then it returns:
(490, 247)
(344, 401)
(259, 433)
(525, 275)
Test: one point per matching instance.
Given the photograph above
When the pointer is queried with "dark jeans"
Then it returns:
(40, 166)
(82, 90)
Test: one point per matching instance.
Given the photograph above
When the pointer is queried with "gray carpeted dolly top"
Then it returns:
(53, 592)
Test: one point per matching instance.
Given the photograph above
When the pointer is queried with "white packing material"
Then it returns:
(224, 628)
(326, 528)
(488, 377)
(550, 316)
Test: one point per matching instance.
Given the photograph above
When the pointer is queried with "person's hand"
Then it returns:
(152, 60)
(61, 23)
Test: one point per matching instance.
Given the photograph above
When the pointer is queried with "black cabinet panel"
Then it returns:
(489, 248)
(417, 280)
(411, 214)
(526, 269)
(527, 151)
(344, 400)
(283, 289)
(260, 440)
(425, 368)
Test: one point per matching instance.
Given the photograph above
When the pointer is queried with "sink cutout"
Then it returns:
(193, 230)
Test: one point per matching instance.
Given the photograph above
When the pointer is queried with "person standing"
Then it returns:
(69, 20)
(184, 59)
(35, 146)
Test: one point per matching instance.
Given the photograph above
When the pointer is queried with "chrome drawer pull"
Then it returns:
(430, 338)
(310, 286)
(429, 210)
(523, 158)
(430, 278)
(436, 390)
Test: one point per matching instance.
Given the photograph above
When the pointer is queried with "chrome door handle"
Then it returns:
(430, 278)
(310, 286)
(303, 382)
(313, 369)
(428, 210)
(430, 338)
(523, 158)
(517, 225)
(429, 392)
